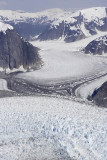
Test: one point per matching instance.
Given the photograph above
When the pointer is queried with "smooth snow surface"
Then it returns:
(93, 14)
(4, 27)
(37, 128)
(64, 61)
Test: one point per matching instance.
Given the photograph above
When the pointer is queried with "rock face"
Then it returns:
(77, 26)
(97, 46)
(57, 24)
(15, 52)
(62, 31)
(100, 96)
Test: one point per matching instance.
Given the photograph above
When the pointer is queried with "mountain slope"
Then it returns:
(99, 96)
(78, 25)
(97, 46)
(56, 23)
(30, 24)
(15, 52)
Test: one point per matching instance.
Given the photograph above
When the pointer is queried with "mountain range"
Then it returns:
(57, 24)
(53, 24)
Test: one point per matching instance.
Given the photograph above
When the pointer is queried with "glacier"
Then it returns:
(32, 127)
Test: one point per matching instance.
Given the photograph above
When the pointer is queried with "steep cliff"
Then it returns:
(15, 52)
(99, 96)
(97, 46)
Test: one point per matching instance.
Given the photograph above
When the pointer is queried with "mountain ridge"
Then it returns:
(72, 25)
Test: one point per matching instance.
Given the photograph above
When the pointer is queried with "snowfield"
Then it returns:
(54, 127)
(3, 85)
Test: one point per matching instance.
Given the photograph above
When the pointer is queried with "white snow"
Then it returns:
(55, 15)
(8, 70)
(95, 13)
(17, 16)
(64, 61)
(73, 28)
(4, 27)
(84, 30)
(3, 85)
(31, 126)
(1, 69)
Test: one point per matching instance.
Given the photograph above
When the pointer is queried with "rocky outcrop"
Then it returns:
(15, 52)
(63, 31)
(74, 35)
(97, 46)
(70, 30)
(99, 96)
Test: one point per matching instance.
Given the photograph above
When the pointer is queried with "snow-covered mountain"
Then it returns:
(31, 24)
(56, 23)
(78, 25)
(99, 95)
(5, 27)
(15, 52)
(97, 46)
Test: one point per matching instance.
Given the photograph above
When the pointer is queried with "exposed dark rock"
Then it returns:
(28, 29)
(91, 27)
(73, 36)
(15, 52)
(52, 33)
(64, 30)
(97, 46)
(99, 96)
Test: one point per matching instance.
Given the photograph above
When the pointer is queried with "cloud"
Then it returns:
(3, 3)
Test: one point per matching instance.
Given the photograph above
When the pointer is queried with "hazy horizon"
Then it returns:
(39, 5)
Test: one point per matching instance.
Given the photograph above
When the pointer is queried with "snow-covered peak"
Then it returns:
(94, 13)
(4, 27)
(19, 15)
(55, 15)
(76, 23)
(89, 14)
